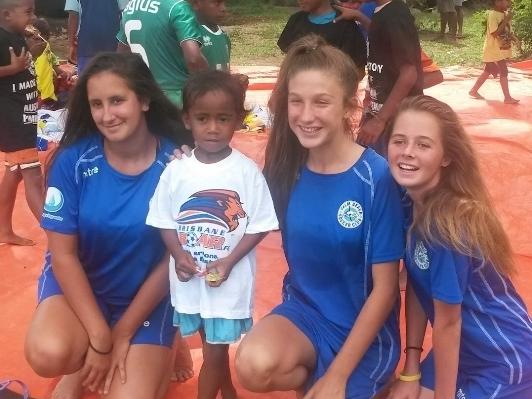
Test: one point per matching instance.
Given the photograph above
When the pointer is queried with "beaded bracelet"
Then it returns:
(417, 348)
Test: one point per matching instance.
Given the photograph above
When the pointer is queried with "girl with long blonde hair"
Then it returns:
(459, 264)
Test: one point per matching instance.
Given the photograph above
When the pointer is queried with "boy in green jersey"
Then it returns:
(166, 34)
(216, 44)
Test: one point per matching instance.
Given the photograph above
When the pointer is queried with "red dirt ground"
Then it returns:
(503, 138)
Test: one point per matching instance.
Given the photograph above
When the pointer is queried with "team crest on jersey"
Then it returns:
(54, 200)
(207, 41)
(218, 207)
(350, 214)
(421, 256)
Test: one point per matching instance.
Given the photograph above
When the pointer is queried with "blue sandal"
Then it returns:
(3, 389)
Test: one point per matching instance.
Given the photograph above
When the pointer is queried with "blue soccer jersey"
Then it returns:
(496, 328)
(337, 226)
(107, 211)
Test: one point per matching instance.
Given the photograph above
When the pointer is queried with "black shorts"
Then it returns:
(15, 133)
(496, 68)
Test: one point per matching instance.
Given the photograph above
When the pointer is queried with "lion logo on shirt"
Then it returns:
(421, 256)
(219, 207)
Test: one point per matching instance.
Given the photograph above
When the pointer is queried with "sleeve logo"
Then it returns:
(54, 200)
(421, 257)
(350, 214)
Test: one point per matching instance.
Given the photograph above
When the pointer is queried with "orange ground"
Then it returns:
(503, 138)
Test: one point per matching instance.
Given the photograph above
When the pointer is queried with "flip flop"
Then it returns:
(8, 394)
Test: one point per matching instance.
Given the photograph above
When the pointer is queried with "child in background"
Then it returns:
(319, 17)
(459, 264)
(213, 209)
(18, 113)
(47, 68)
(216, 45)
(497, 50)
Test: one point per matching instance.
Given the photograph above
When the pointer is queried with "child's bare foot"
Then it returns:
(511, 100)
(475, 95)
(69, 387)
(183, 366)
(13, 239)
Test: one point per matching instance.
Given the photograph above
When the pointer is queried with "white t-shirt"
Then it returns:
(212, 206)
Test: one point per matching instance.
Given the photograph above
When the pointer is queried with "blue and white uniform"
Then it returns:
(337, 226)
(107, 211)
(495, 343)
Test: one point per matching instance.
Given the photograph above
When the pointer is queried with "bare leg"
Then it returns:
(460, 21)
(8, 194)
(478, 84)
(56, 345)
(213, 371)
(274, 356)
(147, 374)
(451, 21)
(183, 367)
(443, 24)
(33, 185)
(508, 99)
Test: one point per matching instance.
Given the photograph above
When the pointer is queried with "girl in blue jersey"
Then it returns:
(336, 333)
(459, 262)
(104, 315)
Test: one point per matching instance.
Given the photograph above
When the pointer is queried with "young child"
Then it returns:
(318, 17)
(497, 49)
(459, 264)
(213, 209)
(47, 67)
(18, 112)
(216, 45)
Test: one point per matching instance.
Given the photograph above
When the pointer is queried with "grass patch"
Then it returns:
(254, 27)
(466, 52)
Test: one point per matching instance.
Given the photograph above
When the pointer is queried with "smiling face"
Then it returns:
(213, 119)
(316, 108)
(117, 111)
(415, 152)
(17, 17)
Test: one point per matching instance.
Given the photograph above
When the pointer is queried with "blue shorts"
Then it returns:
(375, 369)
(475, 386)
(217, 330)
(157, 329)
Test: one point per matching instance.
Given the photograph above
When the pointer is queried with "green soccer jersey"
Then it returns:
(216, 47)
(155, 29)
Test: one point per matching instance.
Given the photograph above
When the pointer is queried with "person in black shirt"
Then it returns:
(18, 113)
(394, 69)
(318, 17)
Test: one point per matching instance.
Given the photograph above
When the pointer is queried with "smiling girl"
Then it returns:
(336, 334)
(104, 314)
(459, 265)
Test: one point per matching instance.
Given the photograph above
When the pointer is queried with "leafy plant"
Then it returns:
(522, 24)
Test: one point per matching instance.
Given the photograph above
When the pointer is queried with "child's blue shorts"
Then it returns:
(476, 387)
(157, 329)
(375, 369)
(217, 330)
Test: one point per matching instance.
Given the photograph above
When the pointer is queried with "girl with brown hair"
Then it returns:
(336, 334)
